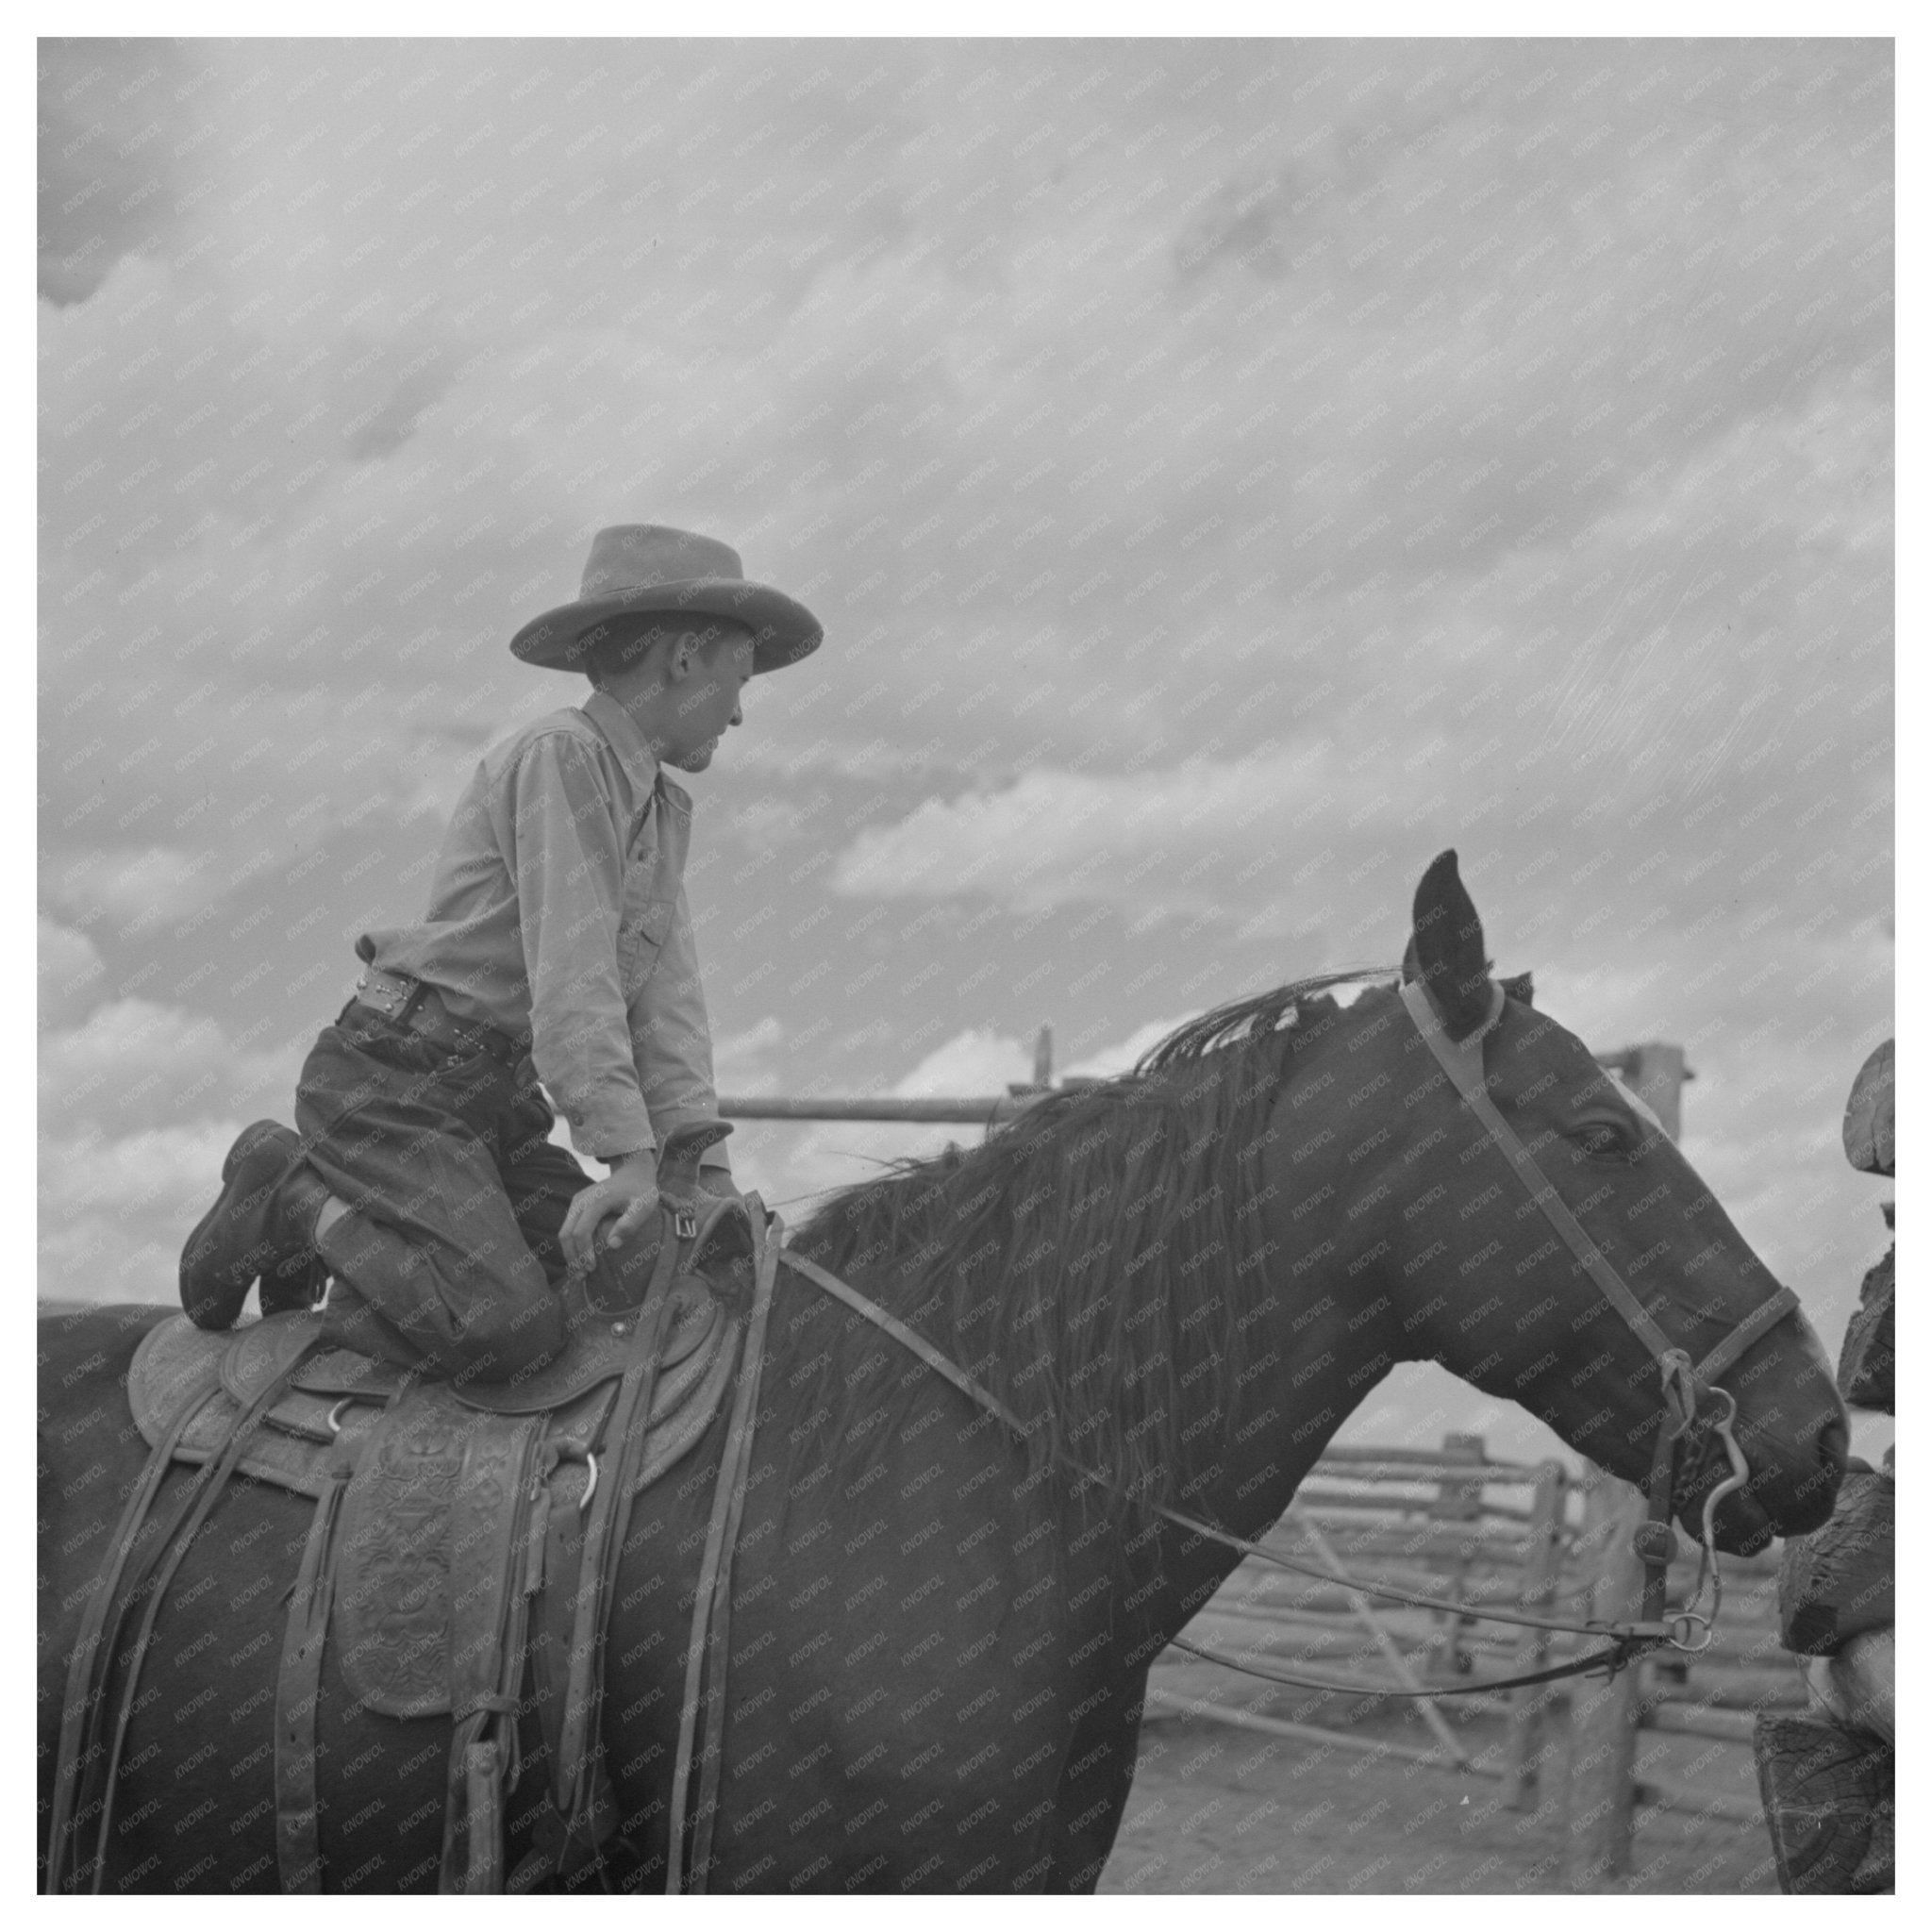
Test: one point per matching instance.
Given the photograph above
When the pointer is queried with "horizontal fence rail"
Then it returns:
(1656, 1070)
(1459, 1523)
(961, 1113)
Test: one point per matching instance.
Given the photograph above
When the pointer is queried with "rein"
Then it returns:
(1689, 1629)
(1628, 1640)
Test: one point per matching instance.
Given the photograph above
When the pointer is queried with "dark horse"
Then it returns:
(1185, 1278)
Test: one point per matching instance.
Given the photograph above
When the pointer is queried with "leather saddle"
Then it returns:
(431, 1466)
(463, 1546)
(335, 1396)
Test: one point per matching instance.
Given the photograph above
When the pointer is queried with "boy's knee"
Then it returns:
(500, 1344)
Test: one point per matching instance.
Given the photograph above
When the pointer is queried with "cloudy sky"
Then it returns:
(1227, 474)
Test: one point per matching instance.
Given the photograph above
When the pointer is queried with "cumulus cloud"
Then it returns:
(114, 1209)
(70, 972)
(139, 1104)
(87, 1172)
(1503, 430)
(138, 885)
(742, 1062)
(1120, 1055)
(1052, 836)
(136, 1059)
(106, 171)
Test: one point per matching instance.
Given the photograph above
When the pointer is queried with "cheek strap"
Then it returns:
(1462, 1061)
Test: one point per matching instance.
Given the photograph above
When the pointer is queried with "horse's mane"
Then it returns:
(1078, 1263)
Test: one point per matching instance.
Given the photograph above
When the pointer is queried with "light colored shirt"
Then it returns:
(557, 915)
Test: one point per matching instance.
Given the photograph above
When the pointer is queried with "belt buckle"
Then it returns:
(387, 1000)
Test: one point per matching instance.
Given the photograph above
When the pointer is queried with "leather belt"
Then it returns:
(418, 1005)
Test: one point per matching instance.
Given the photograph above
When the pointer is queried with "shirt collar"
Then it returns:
(639, 760)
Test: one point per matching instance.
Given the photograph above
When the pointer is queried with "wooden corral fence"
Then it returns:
(1452, 1521)
(1693, 1714)
(1458, 1523)
(1455, 1523)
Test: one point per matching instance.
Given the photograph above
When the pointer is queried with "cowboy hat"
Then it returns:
(637, 568)
(1870, 1134)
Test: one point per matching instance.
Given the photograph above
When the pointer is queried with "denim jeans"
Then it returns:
(449, 1255)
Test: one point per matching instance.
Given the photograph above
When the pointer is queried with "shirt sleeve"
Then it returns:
(568, 860)
(671, 1036)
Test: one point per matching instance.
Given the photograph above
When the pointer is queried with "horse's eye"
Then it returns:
(1602, 1141)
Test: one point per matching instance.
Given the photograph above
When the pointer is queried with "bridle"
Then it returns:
(1685, 1385)
(1683, 1425)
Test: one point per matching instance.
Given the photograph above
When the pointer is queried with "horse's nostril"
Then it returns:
(1834, 1444)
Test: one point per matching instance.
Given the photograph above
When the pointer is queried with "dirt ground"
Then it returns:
(1217, 1810)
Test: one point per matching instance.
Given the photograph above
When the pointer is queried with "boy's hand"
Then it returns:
(629, 1192)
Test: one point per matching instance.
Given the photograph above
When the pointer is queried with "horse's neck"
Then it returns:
(1245, 1495)
(1309, 1354)
(1322, 1340)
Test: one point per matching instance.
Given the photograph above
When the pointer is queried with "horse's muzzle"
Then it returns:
(1777, 1501)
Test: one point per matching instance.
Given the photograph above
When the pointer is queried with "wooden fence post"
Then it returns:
(1602, 1730)
(1458, 1499)
(1522, 1756)
(1656, 1073)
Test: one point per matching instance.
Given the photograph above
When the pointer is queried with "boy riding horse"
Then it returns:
(557, 948)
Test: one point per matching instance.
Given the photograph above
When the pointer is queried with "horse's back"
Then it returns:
(89, 1447)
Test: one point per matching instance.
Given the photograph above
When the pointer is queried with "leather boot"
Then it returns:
(296, 1286)
(261, 1223)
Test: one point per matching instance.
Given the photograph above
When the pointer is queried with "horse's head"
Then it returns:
(1579, 1324)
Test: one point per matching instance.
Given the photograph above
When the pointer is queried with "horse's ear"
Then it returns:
(1520, 987)
(1446, 948)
